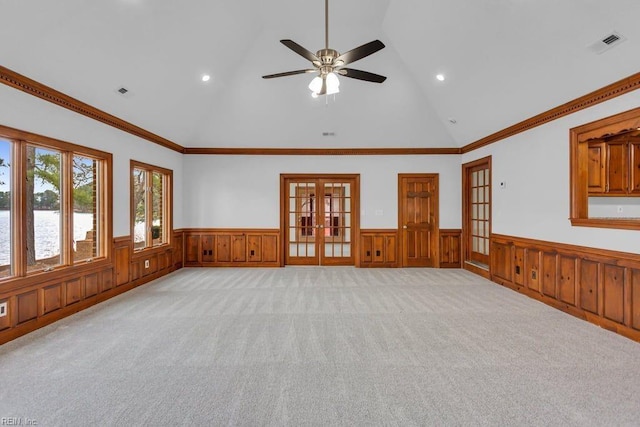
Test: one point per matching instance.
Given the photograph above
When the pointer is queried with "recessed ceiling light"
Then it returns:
(440, 77)
(206, 77)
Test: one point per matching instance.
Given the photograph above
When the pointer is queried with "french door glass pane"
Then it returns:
(6, 249)
(85, 208)
(157, 203)
(140, 206)
(43, 208)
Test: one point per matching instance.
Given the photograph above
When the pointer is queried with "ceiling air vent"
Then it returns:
(606, 42)
(126, 93)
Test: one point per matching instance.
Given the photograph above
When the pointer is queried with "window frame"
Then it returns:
(20, 140)
(167, 206)
(579, 138)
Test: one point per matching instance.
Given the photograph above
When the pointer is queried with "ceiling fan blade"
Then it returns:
(288, 73)
(361, 75)
(299, 50)
(360, 52)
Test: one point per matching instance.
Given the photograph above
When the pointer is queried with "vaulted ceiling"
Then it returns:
(504, 61)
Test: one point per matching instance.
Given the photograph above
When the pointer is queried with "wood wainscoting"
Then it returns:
(214, 247)
(378, 248)
(450, 248)
(41, 299)
(600, 286)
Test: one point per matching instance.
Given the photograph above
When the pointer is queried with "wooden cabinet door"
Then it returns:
(596, 180)
(617, 167)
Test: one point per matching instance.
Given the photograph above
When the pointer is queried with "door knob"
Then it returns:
(404, 226)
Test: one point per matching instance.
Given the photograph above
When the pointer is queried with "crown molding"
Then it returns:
(321, 151)
(32, 87)
(606, 93)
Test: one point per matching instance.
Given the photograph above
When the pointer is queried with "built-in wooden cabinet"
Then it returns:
(614, 167)
(378, 248)
(218, 248)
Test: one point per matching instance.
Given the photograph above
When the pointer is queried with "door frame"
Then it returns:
(436, 212)
(355, 209)
(466, 216)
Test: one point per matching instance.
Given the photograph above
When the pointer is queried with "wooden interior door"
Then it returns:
(418, 219)
(477, 212)
(320, 221)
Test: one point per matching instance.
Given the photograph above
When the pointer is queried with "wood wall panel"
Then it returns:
(378, 248)
(501, 260)
(223, 248)
(613, 293)
(91, 285)
(41, 299)
(106, 280)
(549, 274)
(192, 249)
(122, 261)
(567, 280)
(212, 247)
(635, 298)
(518, 266)
(178, 245)
(597, 285)
(532, 274)
(73, 291)
(5, 322)
(51, 298)
(589, 285)
(270, 249)
(254, 248)
(450, 248)
(27, 306)
(239, 248)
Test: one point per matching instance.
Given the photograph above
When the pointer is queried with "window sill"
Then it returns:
(619, 223)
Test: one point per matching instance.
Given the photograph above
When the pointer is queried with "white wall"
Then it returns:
(28, 113)
(244, 191)
(535, 167)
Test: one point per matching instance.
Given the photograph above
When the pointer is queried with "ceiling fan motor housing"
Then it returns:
(327, 56)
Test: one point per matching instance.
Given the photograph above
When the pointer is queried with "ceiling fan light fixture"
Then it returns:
(316, 85)
(333, 84)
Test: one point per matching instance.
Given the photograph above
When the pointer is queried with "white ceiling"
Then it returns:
(505, 61)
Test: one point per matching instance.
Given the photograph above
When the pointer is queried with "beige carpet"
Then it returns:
(321, 346)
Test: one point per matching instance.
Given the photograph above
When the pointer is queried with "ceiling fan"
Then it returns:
(329, 62)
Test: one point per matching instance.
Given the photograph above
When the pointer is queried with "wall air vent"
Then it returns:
(606, 42)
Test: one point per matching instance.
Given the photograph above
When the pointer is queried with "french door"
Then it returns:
(477, 212)
(319, 219)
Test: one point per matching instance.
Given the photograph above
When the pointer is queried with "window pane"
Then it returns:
(86, 209)
(157, 197)
(5, 209)
(43, 204)
(140, 206)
